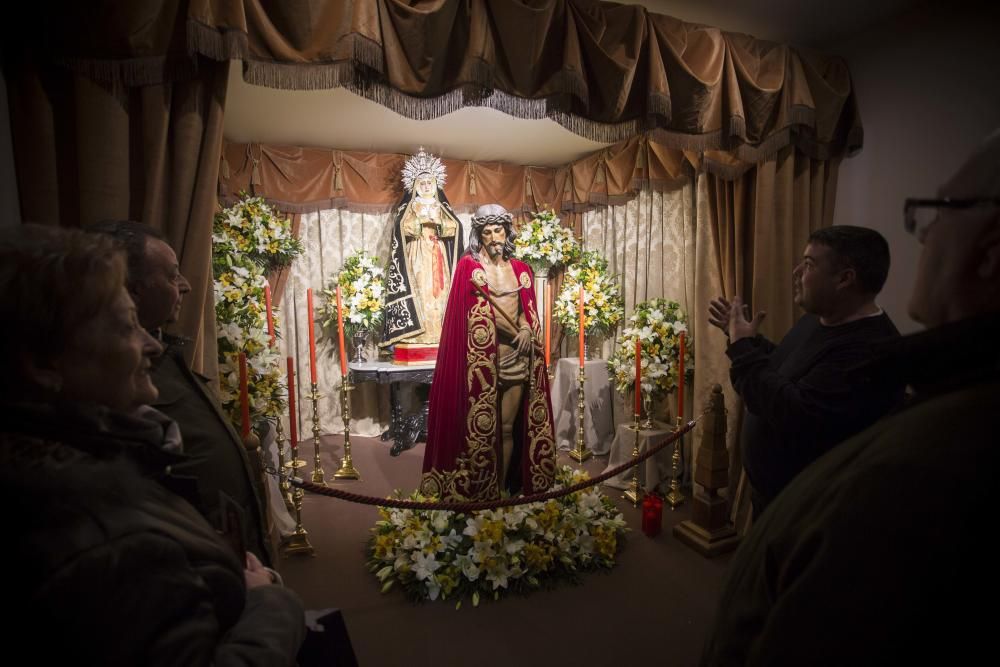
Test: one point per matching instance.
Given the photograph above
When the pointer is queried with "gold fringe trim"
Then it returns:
(298, 77)
(212, 43)
(133, 72)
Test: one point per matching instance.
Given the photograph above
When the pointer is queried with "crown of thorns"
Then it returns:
(423, 163)
(492, 219)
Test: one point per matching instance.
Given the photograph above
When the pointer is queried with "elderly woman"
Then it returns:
(104, 565)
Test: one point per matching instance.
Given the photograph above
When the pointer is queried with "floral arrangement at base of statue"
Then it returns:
(602, 300)
(434, 554)
(658, 324)
(543, 243)
(362, 292)
(249, 239)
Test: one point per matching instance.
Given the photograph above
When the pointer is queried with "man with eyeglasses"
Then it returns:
(880, 552)
(800, 397)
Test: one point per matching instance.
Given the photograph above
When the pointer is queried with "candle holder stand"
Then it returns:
(581, 453)
(675, 498)
(283, 485)
(634, 493)
(647, 404)
(347, 469)
(318, 477)
(298, 542)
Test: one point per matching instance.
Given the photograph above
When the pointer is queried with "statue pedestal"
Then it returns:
(411, 354)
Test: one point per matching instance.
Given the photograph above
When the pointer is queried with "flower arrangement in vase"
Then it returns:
(657, 324)
(602, 300)
(248, 239)
(543, 243)
(362, 290)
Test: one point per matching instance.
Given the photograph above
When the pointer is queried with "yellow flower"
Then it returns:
(383, 545)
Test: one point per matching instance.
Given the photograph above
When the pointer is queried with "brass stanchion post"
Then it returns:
(675, 497)
(581, 453)
(317, 474)
(634, 494)
(298, 541)
(347, 469)
(283, 485)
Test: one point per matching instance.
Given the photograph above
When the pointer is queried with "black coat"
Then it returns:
(105, 566)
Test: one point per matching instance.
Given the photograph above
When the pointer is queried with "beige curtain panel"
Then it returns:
(602, 70)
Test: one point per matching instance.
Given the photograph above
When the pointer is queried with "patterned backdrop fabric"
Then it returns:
(331, 236)
(657, 244)
(660, 246)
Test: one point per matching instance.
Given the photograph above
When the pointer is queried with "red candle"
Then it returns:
(270, 317)
(340, 334)
(548, 324)
(244, 397)
(680, 380)
(292, 422)
(652, 515)
(638, 377)
(312, 336)
(581, 326)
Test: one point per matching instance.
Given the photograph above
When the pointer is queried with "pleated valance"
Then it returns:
(300, 180)
(602, 70)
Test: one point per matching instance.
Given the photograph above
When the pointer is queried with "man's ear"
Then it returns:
(847, 278)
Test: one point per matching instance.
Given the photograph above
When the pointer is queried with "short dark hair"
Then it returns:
(862, 249)
(131, 237)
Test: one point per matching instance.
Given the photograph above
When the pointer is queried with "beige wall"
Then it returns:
(928, 85)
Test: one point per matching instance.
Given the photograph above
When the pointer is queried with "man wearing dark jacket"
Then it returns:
(217, 457)
(800, 400)
(881, 551)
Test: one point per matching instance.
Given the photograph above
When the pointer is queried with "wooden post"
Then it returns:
(709, 531)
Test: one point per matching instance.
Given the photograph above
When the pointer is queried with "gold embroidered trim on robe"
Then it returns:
(475, 474)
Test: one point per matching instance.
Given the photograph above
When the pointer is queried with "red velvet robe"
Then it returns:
(464, 452)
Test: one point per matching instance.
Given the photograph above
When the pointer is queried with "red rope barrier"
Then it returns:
(486, 504)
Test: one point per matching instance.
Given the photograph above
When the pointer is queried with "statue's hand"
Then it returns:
(522, 341)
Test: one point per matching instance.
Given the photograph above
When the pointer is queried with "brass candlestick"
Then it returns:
(298, 541)
(581, 453)
(347, 469)
(647, 403)
(283, 485)
(317, 474)
(634, 493)
(675, 497)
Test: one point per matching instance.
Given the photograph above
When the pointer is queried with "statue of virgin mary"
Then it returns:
(426, 244)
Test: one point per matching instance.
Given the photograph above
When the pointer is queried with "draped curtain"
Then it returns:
(650, 243)
(603, 70)
(116, 111)
(85, 153)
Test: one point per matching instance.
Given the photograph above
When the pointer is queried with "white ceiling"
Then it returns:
(339, 119)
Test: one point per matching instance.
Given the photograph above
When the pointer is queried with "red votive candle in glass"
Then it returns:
(652, 515)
